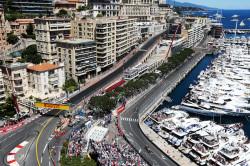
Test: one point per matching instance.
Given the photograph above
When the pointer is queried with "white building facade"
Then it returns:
(46, 80)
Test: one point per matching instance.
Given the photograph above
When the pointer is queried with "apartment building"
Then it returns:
(69, 5)
(2, 89)
(195, 35)
(15, 76)
(195, 28)
(114, 36)
(19, 26)
(144, 10)
(106, 8)
(79, 58)
(136, 10)
(47, 31)
(45, 80)
(32, 7)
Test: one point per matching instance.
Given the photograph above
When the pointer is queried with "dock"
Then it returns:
(239, 31)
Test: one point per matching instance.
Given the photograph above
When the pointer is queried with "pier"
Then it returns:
(238, 31)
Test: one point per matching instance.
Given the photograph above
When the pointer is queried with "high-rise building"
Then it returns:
(32, 7)
(47, 31)
(79, 58)
(114, 36)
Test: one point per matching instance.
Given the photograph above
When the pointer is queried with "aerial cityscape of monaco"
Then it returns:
(124, 82)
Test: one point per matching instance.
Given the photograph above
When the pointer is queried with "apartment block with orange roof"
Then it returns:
(45, 80)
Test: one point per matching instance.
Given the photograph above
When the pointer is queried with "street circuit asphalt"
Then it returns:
(31, 130)
(129, 63)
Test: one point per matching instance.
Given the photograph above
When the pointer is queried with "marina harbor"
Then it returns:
(124, 83)
(223, 89)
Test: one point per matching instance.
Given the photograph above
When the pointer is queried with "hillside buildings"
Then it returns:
(79, 57)
(45, 80)
(47, 31)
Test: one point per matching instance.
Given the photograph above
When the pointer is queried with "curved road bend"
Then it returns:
(129, 118)
(11, 140)
(27, 132)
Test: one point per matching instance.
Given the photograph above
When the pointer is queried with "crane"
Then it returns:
(172, 40)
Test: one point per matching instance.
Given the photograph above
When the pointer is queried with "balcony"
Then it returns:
(53, 76)
(53, 82)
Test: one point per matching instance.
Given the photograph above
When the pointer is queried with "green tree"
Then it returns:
(8, 6)
(99, 15)
(30, 31)
(30, 55)
(8, 108)
(62, 13)
(11, 38)
(70, 85)
(102, 104)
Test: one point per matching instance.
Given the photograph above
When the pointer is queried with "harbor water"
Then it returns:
(183, 88)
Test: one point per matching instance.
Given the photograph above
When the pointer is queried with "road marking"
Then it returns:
(11, 156)
(45, 147)
(38, 138)
(129, 119)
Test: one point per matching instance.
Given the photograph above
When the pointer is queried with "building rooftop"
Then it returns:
(52, 19)
(16, 65)
(43, 67)
(76, 41)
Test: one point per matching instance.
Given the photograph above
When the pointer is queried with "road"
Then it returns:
(131, 128)
(27, 132)
(43, 127)
(131, 62)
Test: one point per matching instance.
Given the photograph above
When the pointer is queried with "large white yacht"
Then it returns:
(224, 88)
(204, 142)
